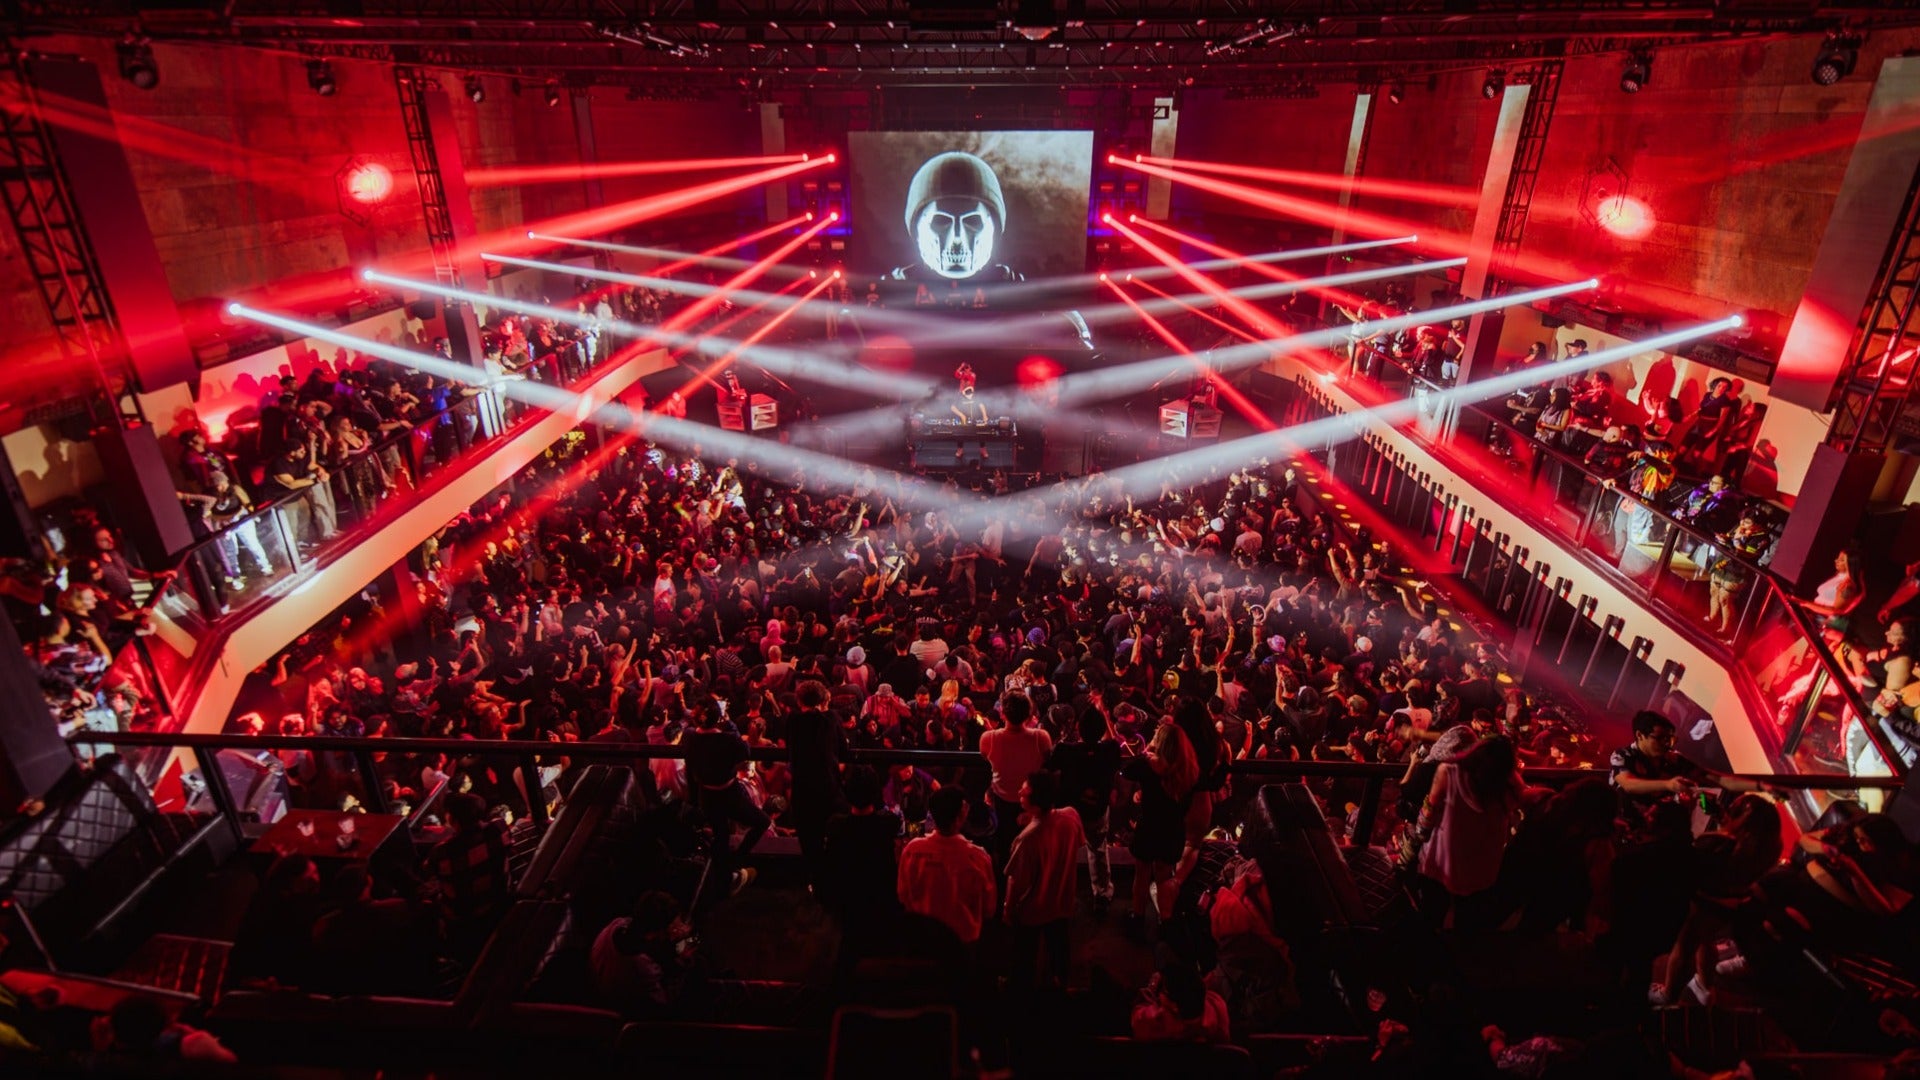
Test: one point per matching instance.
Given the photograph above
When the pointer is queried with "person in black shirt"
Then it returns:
(1087, 770)
(815, 743)
(714, 757)
(862, 856)
(1648, 770)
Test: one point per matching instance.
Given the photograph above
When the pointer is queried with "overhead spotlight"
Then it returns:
(553, 94)
(1837, 59)
(1496, 82)
(476, 89)
(1396, 93)
(136, 62)
(1638, 70)
(320, 78)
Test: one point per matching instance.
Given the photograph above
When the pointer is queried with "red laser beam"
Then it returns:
(1207, 315)
(726, 323)
(1409, 190)
(1242, 310)
(1266, 270)
(498, 176)
(1227, 390)
(1353, 220)
(700, 308)
(732, 245)
(310, 295)
(758, 335)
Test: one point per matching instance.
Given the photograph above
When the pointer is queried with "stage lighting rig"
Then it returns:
(1396, 92)
(645, 37)
(1837, 58)
(1494, 85)
(553, 94)
(476, 90)
(1259, 33)
(137, 65)
(1637, 72)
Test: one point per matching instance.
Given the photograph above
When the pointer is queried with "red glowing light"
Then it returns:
(1625, 216)
(369, 183)
(1037, 371)
(833, 215)
(830, 159)
(836, 274)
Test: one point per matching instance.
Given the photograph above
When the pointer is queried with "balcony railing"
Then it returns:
(208, 587)
(1782, 657)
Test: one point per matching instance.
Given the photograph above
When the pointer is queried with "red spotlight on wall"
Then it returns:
(369, 182)
(1625, 216)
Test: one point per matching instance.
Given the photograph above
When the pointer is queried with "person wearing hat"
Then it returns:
(855, 672)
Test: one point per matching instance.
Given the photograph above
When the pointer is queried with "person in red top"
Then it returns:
(946, 876)
(1040, 882)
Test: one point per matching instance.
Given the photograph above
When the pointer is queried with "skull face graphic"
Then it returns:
(955, 237)
(955, 214)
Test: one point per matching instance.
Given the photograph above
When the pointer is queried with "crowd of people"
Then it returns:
(1109, 658)
(1109, 668)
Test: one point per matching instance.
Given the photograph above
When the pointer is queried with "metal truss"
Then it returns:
(62, 263)
(413, 85)
(1528, 152)
(1875, 399)
(876, 42)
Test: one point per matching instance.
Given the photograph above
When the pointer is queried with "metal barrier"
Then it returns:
(357, 756)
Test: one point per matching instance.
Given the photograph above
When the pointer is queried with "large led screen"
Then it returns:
(973, 207)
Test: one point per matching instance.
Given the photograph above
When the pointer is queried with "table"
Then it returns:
(370, 832)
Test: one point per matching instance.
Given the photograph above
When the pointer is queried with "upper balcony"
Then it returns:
(211, 628)
(1631, 604)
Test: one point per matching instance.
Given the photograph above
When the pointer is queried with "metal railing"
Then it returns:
(1784, 661)
(357, 757)
(258, 556)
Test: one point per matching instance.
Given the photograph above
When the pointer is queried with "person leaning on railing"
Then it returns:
(1727, 574)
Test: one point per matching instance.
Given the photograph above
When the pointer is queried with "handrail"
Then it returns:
(190, 580)
(390, 440)
(629, 751)
(1833, 673)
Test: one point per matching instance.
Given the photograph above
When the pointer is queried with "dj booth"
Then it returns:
(948, 442)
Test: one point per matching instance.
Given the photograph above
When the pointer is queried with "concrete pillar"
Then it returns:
(1357, 135)
(1479, 270)
(590, 186)
(1866, 212)
(470, 272)
(1164, 143)
(773, 140)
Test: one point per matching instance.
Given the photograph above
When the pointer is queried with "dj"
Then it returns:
(969, 410)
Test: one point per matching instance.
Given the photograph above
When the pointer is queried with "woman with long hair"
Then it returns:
(1167, 775)
(1468, 817)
